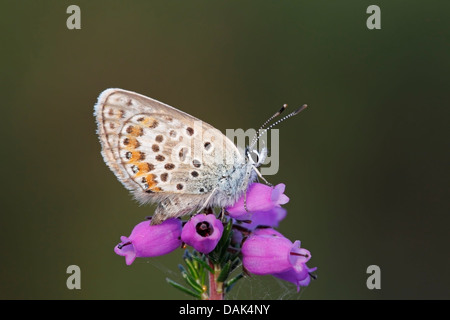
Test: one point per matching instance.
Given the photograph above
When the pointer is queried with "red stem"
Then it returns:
(214, 285)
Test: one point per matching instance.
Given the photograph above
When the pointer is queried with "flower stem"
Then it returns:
(215, 286)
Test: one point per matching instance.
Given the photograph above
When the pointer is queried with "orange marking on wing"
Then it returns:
(132, 143)
(135, 156)
(152, 183)
(149, 122)
(143, 167)
(136, 131)
(146, 121)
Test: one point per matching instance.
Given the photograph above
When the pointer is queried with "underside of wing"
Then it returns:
(157, 151)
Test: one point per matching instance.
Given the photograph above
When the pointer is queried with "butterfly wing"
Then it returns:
(159, 153)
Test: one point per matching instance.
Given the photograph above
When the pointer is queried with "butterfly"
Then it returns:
(168, 157)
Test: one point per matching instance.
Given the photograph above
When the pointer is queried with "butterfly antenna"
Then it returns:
(255, 138)
(261, 133)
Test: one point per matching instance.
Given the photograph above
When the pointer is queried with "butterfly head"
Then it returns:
(260, 156)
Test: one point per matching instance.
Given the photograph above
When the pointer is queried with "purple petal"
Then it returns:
(301, 255)
(203, 241)
(277, 191)
(258, 199)
(267, 232)
(299, 274)
(266, 254)
(150, 241)
(270, 218)
(126, 251)
(278, 197)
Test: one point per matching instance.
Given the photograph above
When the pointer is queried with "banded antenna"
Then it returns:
(267, 121)
(261, 133)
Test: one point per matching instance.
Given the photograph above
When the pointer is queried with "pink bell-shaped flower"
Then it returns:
(202, 232)
(259, 197)
(150, 240)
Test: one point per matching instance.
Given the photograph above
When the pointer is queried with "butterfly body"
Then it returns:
(166, 156)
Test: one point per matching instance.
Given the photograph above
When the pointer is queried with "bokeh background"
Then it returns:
(366, 166)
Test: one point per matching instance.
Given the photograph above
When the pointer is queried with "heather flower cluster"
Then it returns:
(243, 234)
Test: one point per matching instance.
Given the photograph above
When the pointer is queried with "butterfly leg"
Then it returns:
(260, 176)
(245, 202)
(221, 214)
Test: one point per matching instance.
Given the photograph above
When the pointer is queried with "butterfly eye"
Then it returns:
(247, 154)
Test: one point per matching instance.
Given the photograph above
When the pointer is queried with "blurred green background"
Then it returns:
(366, 166)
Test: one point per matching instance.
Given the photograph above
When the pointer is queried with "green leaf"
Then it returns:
(182, 268)
(191, 267)
(235, 264)
(224, 255)
(186, 254)
(203, 263)
(192, 282)
(225, 235)
(217, 256)
(224, 273)
(227, 231)
(183, 289)
(230, 283)
(203, 277)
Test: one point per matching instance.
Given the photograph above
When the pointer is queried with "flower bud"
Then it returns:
(260, 197)
(150, 240)
(268, 253)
